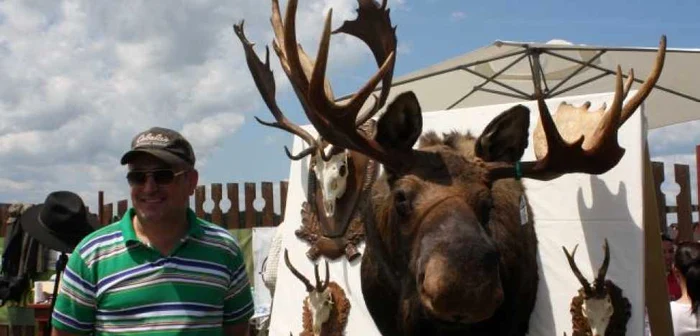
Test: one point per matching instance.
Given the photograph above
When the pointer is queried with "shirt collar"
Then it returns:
(125, 224)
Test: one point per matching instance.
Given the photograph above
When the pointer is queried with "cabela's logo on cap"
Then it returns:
(151, 139)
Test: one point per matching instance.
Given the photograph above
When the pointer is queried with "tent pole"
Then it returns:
(655, 287)
(578, 70)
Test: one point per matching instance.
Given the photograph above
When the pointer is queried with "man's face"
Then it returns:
(164, 201)
(668, 253)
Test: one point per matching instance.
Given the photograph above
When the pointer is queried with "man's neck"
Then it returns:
(162, 236)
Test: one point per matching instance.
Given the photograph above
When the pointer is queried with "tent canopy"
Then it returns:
(502, 73)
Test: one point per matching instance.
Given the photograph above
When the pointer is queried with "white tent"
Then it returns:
(502, 73)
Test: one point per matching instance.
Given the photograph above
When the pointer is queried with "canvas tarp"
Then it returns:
(462, 81)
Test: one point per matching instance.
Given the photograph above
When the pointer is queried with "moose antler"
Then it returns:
(320, 286)
(594, 155)
(308, 79)
(599, 283)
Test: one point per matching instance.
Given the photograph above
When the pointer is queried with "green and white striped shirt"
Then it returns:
(114, 284)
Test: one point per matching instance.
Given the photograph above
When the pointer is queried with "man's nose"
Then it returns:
(150, 184)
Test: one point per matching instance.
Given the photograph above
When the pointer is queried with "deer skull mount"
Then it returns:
(336, 196)
(325, 308)
(600, 309)
(333, 177)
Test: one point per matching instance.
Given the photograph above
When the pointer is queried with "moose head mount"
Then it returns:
(600, 309)
(446, 248)
(340, 178)
(326, 308)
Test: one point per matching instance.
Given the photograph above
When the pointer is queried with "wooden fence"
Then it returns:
(684, 208)
(233, 218)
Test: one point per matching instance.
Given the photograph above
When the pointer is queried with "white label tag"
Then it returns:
(523, 210)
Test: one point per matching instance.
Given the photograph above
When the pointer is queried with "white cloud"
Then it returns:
(404, 48)
(79, 78)
(457, 16)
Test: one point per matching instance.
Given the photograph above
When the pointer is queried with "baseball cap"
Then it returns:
(163, 143)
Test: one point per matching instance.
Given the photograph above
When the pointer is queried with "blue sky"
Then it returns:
(79, 78)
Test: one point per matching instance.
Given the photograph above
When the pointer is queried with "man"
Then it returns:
(674, 290)
(160, 270)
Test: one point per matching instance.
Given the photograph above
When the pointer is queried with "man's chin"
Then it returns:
(149, 216)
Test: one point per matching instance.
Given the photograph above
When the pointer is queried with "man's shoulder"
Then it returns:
(102, 235)
(215, 232)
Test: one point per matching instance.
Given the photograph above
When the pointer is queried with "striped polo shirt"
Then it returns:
(115, 284)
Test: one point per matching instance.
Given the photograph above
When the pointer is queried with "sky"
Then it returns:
(79, 78)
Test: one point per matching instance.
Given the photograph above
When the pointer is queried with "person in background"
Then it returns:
(159, 270)
(684, 311)
(674, 290)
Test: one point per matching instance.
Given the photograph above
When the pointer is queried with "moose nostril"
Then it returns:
(421, 278)
(491, 258)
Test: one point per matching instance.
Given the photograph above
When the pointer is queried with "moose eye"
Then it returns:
(342, 171)
(402, 203)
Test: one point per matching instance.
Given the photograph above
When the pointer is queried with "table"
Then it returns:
(42, 315)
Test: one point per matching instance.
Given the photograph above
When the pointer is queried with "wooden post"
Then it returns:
(655, 288)
(249, 209)
(217, 216)
(199, 197)
(107, 214)
(122, 206)
(659, 177)
(697, 172)
(268, 212)
(684, 212)
(3, 218)
(233, 215)
(283, 199)
(100, 205)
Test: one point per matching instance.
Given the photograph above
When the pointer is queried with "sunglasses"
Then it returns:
(160, 176)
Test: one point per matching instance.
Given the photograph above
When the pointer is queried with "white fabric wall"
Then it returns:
(574, 209)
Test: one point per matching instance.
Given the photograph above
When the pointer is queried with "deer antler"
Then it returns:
(599, 282)
(594, 155)
(321, 286)
(338, 123)
(308, 79)
(265, 82)
(373, 26)
(307, 283)
(572, 263)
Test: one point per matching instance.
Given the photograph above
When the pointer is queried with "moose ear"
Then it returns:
(505, 137)
(402, 123)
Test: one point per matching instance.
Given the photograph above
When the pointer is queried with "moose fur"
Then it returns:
(451, 177)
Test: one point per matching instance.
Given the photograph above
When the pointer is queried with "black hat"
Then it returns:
(60, 223)
(165, 144)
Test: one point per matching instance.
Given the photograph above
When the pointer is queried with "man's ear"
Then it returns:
(505, 137)
(402, 123)
(192, 180)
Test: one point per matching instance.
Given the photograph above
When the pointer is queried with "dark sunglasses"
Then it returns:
(160, 176)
